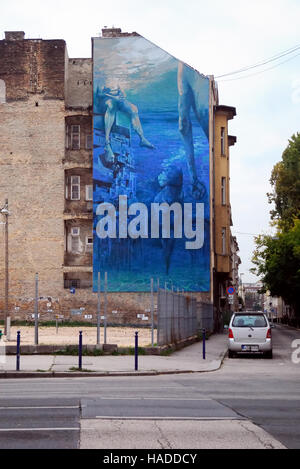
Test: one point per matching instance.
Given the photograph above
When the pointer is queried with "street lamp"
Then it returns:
(5, 212)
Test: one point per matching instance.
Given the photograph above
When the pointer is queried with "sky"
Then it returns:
(215, 38)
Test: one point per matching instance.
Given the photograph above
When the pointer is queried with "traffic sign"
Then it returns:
(231, 290)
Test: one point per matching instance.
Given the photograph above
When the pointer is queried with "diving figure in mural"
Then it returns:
(115, 100)
(192, 94)
(170, 181)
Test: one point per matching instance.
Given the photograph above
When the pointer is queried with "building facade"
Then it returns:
(46, 173)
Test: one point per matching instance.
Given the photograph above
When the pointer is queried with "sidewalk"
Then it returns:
(187, 360)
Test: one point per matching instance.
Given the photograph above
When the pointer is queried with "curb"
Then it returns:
(104, 374)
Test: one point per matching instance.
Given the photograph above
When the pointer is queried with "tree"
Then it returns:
(285, 180)
(277, 260)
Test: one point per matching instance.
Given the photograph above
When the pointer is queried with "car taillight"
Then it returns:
(269, 334)
(230, 334)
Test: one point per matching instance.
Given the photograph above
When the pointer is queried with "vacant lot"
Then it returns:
(122, 336)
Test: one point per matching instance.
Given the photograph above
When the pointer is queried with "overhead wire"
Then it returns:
(263, 62)
(261, 71)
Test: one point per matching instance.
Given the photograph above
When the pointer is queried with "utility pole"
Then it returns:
(4, 211)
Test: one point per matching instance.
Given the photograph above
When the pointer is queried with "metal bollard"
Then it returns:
(80, 351)
(18, 350)
(203, 342)
(136, 351)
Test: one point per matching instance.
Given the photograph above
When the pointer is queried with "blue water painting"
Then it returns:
(151, 144)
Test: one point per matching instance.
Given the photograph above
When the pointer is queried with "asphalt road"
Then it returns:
(231, 406)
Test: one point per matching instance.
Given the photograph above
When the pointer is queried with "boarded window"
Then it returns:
(89, 192)
(89, 142)
(2, 92)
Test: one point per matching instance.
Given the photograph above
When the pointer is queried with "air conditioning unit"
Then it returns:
(75, 231)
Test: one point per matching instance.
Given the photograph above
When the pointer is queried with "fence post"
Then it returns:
(18, 350)
(98, 307)
(203, 342)
(80, 351)
(105, 305)
(152, 314)
(136, 351)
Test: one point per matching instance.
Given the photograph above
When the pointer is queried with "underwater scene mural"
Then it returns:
(151, 214)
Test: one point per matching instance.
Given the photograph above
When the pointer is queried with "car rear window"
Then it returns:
(253, 320)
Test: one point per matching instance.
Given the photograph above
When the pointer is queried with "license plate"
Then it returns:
(250, 348)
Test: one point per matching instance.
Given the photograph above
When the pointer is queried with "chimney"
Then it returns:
(111, 32)
(14, 35)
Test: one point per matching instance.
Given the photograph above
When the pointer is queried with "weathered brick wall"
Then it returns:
(79, 84)
(33, 66)
(32, 138)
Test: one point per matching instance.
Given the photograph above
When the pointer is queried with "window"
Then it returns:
(89, 142)
(253, 320)
(75, 137)
(223, 141)
(223, 240)
(88, 244)
(89, 192)
(72, 283)
(75, 187)
(75, 231)
(223, 191)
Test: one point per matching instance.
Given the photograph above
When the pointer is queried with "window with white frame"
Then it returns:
(75, 187)
(223, 141)
(223, 190)
(89, 243)
(75, 137)
(223, 240)
(89, 192)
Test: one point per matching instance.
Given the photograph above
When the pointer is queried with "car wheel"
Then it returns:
(231, 354)
(269, 354)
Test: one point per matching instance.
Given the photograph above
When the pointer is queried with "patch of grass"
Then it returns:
(167, 352)
(129, 351)
(41, 371)
(73, 350)
(85, 370)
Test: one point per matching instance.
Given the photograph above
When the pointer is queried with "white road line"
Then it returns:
(150, 399)
(100, 417)
(38, 429)
(39, 407)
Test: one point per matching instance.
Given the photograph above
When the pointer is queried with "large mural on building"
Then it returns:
(150, 168)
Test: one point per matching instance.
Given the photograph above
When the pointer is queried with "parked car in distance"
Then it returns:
(249, 332)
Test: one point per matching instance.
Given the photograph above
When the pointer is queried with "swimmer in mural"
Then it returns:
(115, 100)
(171, 182)
(192, 89)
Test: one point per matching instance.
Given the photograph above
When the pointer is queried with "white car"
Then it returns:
(249, 332)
